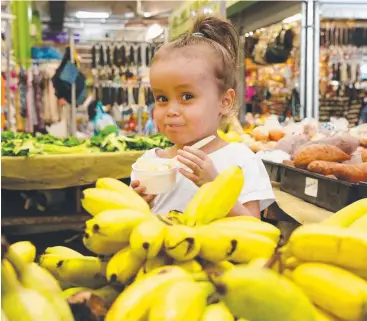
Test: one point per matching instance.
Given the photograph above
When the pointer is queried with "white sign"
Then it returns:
(311, 187)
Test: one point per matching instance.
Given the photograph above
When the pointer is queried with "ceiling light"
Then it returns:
(147, 14)
(129, 15)
(294, 18)
(153, 32)
(91, 15)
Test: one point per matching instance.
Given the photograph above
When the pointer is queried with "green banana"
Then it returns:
(21, 304)
(123, 266)
(147, 238)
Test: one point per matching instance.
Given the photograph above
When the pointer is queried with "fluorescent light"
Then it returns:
(91, 15)
(154, 31)
(294, 18)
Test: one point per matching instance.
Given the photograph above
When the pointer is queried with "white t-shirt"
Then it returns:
(257, 185)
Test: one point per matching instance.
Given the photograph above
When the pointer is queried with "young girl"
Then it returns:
(193, 80)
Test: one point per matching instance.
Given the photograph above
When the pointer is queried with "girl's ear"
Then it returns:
(228, 100)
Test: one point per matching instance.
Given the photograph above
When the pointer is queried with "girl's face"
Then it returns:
(188, 104)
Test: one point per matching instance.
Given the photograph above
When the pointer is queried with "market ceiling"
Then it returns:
(56, 14)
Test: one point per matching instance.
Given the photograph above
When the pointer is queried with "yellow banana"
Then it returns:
(348, 215)
(98, 244)
(115, 225)
(68, 293)
(176, 217)
(360, 224)
(324, 316)
(82, 271)
(181, 243)
(215, 244)
(362, 273)
(147, 238)
(124, 266)
(333, 289)
(21, 304)
(62, 250)
(179, 301)
(216, 200)
(245, 226)
(9, 267)
(134, 302)
(217, 312)
(50, 262)
(34, 277)
(3, 316)
(218, 267)
(25, 249)
(191, 266)
(238, 218)
(336, 245)
(153, 263)
(134, 200)
(263, 295)
(97, 200)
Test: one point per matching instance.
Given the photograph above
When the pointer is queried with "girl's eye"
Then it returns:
(162, 99)
(187, 96)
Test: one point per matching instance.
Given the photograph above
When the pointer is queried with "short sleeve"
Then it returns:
(257, 185)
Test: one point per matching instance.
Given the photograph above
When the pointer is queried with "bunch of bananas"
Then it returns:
(201, 265)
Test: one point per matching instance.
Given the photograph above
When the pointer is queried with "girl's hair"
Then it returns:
(223, 38)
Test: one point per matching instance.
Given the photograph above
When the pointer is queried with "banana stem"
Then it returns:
(8, 282)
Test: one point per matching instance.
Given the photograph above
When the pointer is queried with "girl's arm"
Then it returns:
(247, 209)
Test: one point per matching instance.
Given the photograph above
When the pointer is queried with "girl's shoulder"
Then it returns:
(236, 150)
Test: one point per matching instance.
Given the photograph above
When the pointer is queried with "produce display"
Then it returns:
(24, 144)
(199, 265)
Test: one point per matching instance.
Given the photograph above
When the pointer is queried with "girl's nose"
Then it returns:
(173, 109)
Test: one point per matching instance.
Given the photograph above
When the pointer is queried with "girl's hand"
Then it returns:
(203, 170)
(140, 190)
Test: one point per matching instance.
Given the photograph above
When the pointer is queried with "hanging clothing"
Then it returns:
(30, 103)
(22, 86)
(37, 89)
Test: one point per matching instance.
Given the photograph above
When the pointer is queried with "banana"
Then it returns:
(81, 271)
(215, 244)
(333, 289)
(131, 198)
(179, 301)
(348, 215)
(360, 224)
(238, 218)
(108, 294)
(50, 263)
(21, 304)
(25, 249)
(98, 244)
(3, 316)
(244, 226)
(218, 267)
(324, 316)
(62, 250)
(97, 200)
(336, 245)
(34, 277)
(115, 225)
(263, 295)
(250, 246)
(191, 266)
(134, 302)
(176, 217)
(147, 238)
(217, 312)
(214, 200)
(68, 293)
(362, 273)
(153, 263)
(9, 267)
(181, 243)
(124, 266)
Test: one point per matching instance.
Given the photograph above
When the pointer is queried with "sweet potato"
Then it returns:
(288, 163)
(276, 134)
(363, 141)
(308, 154)
(347, 143)
(351, 173)
(322, 167)
(364, 156)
